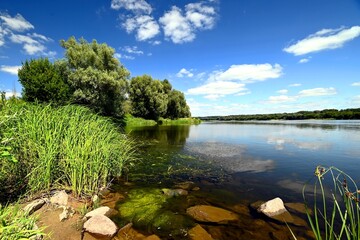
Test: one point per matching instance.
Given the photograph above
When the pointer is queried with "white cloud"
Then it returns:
(214, 90)
(304, 60)
(248, 73)
(123, 56)
(176, 26)
(184, 73)
(280, 99)
(283, 91)
(132, 50)
(324, 39)
(200, 15)
(10, 69)
(17, 23)
(137, 6)
(145, 26)
(181, 27)
(317, 92)
(356, 84)
(9, 94)
(30, 45)
(295, 85)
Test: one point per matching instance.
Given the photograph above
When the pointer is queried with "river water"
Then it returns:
(243, 162)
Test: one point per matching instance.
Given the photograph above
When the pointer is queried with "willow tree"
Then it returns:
(97, 77)
(148, 97)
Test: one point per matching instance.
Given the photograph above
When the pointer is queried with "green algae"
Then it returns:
(149, 209)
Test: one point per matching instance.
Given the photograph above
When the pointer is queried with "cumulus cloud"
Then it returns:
(280, 99)
(138, 6)
(181, 27)
(31, 45)
(132, 50)
(123, 56)
(145, 27)
(295, 85)
(215, 90)
(184, 73)
(248, 73)
(9, 94)
(17, 23)
(356, 84)
(317, 92)
(324, 39)
(10, 69)
(176, 26)
(283, 91)
(304, 60)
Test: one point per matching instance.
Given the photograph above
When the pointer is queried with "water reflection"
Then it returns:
(309, 145)
(230, 157)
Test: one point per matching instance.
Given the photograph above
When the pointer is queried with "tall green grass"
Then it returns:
(67, 146)
(16, 224)
(336, 212)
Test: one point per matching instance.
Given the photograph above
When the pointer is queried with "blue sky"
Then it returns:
(228, 57)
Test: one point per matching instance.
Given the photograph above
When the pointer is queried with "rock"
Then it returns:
(195, 189)
(199, 233)
(104, 192)
(66, 213)
(272, 207)
(205, 213)
(34, 206)
(101, 211)
(174, 192)
(185, 185)
(297, 207)
(60, 198)
(101, 226)
(152, 237)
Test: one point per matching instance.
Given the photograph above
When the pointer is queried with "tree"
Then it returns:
(148, 98)
(97, 77)
(177, 106)
(44, 81)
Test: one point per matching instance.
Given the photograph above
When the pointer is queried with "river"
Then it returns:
(245, 161)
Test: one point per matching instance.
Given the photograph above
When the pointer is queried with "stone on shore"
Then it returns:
(101, 226)
(34, 206)
(60, 198)
(272, 207)
(103, 211)
(205, 213)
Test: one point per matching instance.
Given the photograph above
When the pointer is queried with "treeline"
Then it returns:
(345, 114)
(90, 75)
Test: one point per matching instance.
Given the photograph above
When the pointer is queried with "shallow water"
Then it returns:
(237, 163)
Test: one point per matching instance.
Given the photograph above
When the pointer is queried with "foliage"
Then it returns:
(180, 121)
(177, 107)
(351, 113)
(67, 146)
(44, 81)
(339, 216)
(147, 97)
(98, 79)
(16, 224)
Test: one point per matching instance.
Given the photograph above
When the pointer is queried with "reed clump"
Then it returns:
(67, 146)
(335, 204)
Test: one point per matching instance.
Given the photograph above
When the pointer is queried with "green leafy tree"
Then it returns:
(97, 77)
(44, 81)
(148, 98)
(177, 106)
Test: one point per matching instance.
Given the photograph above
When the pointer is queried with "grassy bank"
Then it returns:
(44, 147)
(132, 121)
(180, 121)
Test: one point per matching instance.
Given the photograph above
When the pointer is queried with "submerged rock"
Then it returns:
(174, 192)
(60, 198)
(205, 213)
(34, 206)
(188, 185)
(101, 226)
(199, 233)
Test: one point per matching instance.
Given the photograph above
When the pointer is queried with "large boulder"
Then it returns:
(60, 198)
(272, 207)
(101, 226)
(206, 213)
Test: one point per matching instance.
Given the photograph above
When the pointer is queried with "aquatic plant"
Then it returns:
(67, 146)
(16, 224)
(339, 216)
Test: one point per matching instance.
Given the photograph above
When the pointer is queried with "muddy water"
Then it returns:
(233, 165)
